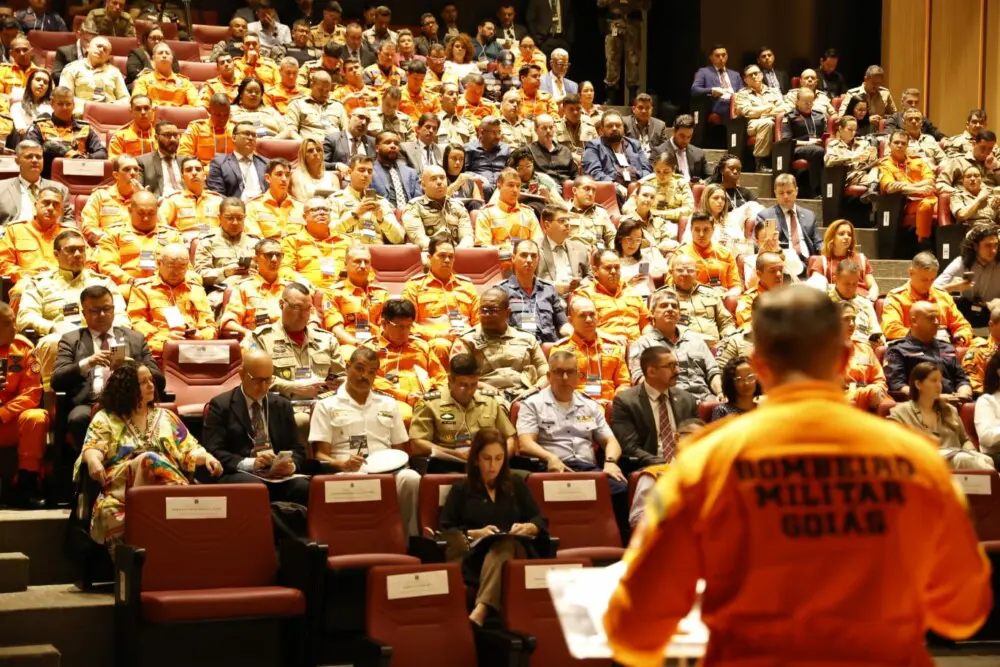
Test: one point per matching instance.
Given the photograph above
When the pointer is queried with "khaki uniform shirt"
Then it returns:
(315, 120)
(368, 228)
(51, 301)
(704, 313)
(453, 129)
(307, 68)
(823, 104)
(320, 36)
(519, 134)
(423, 218)
(216, 250)
(90, 84)
(440, 419)
(296, 365)
(949, 179)
(401, 125)
(925, 147)
(988, 212)
(880, 104)
(592, 226)
(766, 103)
(575, 138)
(860, 155)
(98, 21)
(513, 360)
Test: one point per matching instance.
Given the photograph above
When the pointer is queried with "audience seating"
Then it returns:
(104, 117)
(199, 72)
(527, 610)
(586, 528)
(181, 116)
(606, 197)
(43, 40)
(236, 582)
(80, 185)
(967, 412)
(705, 409)
(480, 265)
(428, 628)
(983, 506)
(286, 148)
(395, 264)
(434, 491)
(184, 51)
(209, 35)
(195, 384)
(122, 46)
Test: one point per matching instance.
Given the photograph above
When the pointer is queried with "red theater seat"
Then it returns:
(199, 72)
(607, 197)
(184, 51)
(968, 414)
(433, 493)
(983, 505)
(169, 29)
(105, 117)
(585, 527)
(705, 409)
(395, 264)
(195, 384)
(209, 35)
(181, 116)
(42, 40)
(480, 265)
(286, 148)
(122, 46)
(80, 184)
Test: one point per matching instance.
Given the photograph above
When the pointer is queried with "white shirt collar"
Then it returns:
(654, 395)
(250, 402)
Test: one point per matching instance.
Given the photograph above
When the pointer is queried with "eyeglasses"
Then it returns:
(97, 312)
(565, 373)
(489, 310)
(752, 377)
(272, 255)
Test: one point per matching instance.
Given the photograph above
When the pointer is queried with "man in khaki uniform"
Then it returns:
(389, 118)
(759, 105)
(981, 154)
(702, 312)
(434, 212)
(880, 102)
(960, 144)
(361, 213)
(510, 361)
(330, 29)
(515, 131)
(315, 115)
(94, 79)
(219, 252)
(50, 303)
(453, 129)
(111, 20)
(921, 145)
(822, 103)
(574, 129)
(445, 420)
(590, 223)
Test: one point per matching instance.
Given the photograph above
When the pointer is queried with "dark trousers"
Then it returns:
(619, 496)
(295, 490)
(77, 422)
(814, 156)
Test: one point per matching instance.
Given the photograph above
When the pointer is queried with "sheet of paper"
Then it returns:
(417, 585)
(83, 168)
(353, 491)
(193, 353)
(973, 485)
(209, 507)
(569, 491)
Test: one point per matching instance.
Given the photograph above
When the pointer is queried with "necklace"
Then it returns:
(143, 436)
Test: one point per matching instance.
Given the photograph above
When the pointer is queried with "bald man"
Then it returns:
(253, 434)
(434, 212)
(805, 496)
(923, 344)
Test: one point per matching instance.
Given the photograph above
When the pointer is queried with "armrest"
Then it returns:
(169, 397)
(427, 549)
(128, 575)
(370, 652)
(497, 648)
(420, 463)
(529, 463)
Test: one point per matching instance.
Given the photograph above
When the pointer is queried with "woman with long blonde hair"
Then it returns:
(311, 178)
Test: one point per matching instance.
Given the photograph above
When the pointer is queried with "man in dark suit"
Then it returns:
(86, 358)
(645, 418)
(154, 164)
(717, 82)
(253, 434)
(240, 173)
(691, 161)
(386, 162)
(562, 261)
(16, 194)
(773, 78)
(340, 146)
(416, 152)
(641, 126)
(75, 51)
(601, 156)
(794, 222)
(550, 30)
(354, 47)
(509, 33)
(805, 126)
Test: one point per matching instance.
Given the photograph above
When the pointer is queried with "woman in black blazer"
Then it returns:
(140, 59)
(498, 517)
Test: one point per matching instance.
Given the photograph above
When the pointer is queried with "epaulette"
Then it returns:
(461, 277)
(143, 281)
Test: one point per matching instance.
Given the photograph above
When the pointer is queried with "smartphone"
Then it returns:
(117, 352)
(967, 276)
(643, 268)
(771, 226)
(371, 194)
(245, 262)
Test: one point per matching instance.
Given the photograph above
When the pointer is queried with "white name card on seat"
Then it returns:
(443, 492)
(560, 491)
(193, 353)
(7, 165)
(205, 507)
(535, 576)
(417, 585)
(885, 219)
(83, 168)
(973, 485)
(829, 190)
(352, 491)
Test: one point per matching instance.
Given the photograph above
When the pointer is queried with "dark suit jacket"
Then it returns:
(520, 30)
(411, 182)
(705, 80)
(368, 57)
(579, 260)
(10, 200)
(599, 161)
(336, 150)
(807, 221)
(633, 424)
(783, 80)
(152, 171)
(64, 56)
(227, 430)
(75, 346)
(539, 19)
(415, 154)
(697, 163)
(225, 177)
(657, 130)
(794, 126)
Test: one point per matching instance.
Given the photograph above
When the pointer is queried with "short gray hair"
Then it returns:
(925, 261)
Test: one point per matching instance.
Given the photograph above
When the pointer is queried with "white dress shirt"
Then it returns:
(27, 211)
(251, 184)
(247, 464)
(170, 186)
(988, 422)
(280, 35)
(682, 160)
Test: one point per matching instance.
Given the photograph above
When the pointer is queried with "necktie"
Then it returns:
(430, 157)
(105, 345)
(793, 226)
(257, 422)
(810, 125)
(353, 146)
(168, 164)
(33, 190)
(772, 79)
(667, 436)
(398, 193)
(682, 163)
(724, 79)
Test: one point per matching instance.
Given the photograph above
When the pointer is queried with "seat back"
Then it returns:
(209, 35)
(420, 611)
(433, 494)
(480, 265)
(82, 177)
(705, 409)
(181, 116)
(197, 371)
(104, 117)
(197, 71)
(8, 167)
(42, 40)
(526, 607)
(968, 415)
(607, 197)
(184, 51)
(982, 488)
(170, 29)
(578, 507)
(356, 514)
(122, 46)
(286, 148)
(223, 528)
(944, 209)
(395, 264)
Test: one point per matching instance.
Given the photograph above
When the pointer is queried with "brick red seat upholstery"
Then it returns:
(983, 508)
(104, 117)
(43, 40)
(142, 28)
(184, 51)
(181, 116)
(585, 528)
(286, 148)
(480, 265)
(80, 185)
(212, 603)
(196, 384)
(433, 492)
(395, 264)
(199, 72)
(209, 35)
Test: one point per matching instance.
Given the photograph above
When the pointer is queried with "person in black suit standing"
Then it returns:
(691, 161)
(86, 357)
(253, 435)
(773, 78)
(644, 418)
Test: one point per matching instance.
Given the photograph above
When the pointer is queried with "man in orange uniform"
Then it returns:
(312, 253)
(417, 100)
(227, 83)
(207, 137)
(472, 105)
(355, 94)
(128, 252)
(896, 311)
(108, 205)
(255, 300)
(22, 424)
(864, 377)
(194, 210)
(802, 498)
(162, 84)
(138, 136)
(26, 246)
(353, 306)
(901, 173)
(252, 63)
(447, 304)
(14, 75)
(534, 102)
(622, 313)
(274, 213)
(770, 269)
(506, 223)
(170, 305)
(978, 356)
(717, 268)
(278, 96)
(407, 368)
(601, 358)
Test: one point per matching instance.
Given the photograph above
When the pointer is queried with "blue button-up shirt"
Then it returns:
(568, 435)
(487, 164)
(543, 302)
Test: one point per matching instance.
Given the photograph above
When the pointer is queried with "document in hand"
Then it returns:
(581, 597)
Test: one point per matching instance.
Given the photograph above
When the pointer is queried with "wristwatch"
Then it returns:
(610, 460)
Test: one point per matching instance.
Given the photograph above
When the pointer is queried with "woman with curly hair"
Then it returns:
(740, 387)
(975, 274)
(459, 57)
(840, 243)
(249, 107)
(131, 442)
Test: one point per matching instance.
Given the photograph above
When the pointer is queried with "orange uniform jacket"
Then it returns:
(499, 224)
(622, 314)
(266, 218)
(603, 359)
(175, 90)
(354, 98)
(440, 306)
(744, 307)
(12, 76)
(148, 305)
(914, 170)
(265, 70)
(406, 369)
(202, 141)
(125, 253)
(105, 208)
(346, 304)
(319, 261)
(530, 107)
(217, 85)
(187, 212)
(278, 96)
(811, 522)
(23, 390)
(477, 112)
(716, 266)
(381, 81)
(896, 313)
(975, 360)
(414, 107)
(864, 375)
(130, 140)
(253, 303)
(26, 249)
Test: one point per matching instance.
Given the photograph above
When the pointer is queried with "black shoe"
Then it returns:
(869, 196)
(27, 494)
(762, 167)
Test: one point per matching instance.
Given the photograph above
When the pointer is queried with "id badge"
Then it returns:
(172, 314)
(456, 319)
(392, 377)
(327, 266)
(260, 318)
(463, 439)
(362, 331)
(147, 260)
(359, 444)
(70, 309)
(593, 386)
(187, 213)
(529, 323)
(368, 228)
(303, 373)
(714, 281)
(261, 444)
(684, 320)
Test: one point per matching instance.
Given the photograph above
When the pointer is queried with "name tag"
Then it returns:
(560, 491)
(327, 266)
(187, 213)
(354, 491)
(593, 386)
(147, 261)
(109, 210)
(303, 373)
(174, 318)
(213, 507)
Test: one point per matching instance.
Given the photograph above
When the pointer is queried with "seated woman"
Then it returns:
(490, 500)
(730, 230)
(840, 243)
(461, 184)
(865, 380)
(988, 409)
(587, 106)
(859, 155)
(460, 60)
(743, 204)
(35, 101)
(658, 230)
(672, 194)
(740, 387)
(131, 442)
(642, 265)
(975, 274)
(249, 106)
(928, 413)
(534, 183)
(311, 179)
(716, 265)
(972, 203)
(164, 86)
(858, 109)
